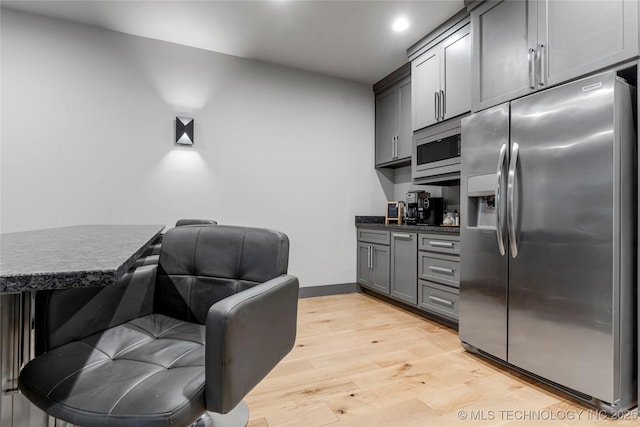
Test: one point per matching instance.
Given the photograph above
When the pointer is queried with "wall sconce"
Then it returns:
(184, 130)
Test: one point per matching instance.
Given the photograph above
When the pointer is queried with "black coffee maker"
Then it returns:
(415, 206)
(422, 209)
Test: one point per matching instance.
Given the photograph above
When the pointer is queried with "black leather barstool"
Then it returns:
(151, 255)
(168, 342)
(188, 221)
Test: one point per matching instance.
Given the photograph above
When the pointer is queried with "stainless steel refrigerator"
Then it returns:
(547, 238)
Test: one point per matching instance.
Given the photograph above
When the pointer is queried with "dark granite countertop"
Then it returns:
(83, 255)
(378, 222)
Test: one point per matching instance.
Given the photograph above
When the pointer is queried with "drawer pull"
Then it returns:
(441, 244)
(441, 269)
(441, 301)
(402, 236)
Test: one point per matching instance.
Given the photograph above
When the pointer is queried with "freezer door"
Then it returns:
(564, 282)
(483, 262)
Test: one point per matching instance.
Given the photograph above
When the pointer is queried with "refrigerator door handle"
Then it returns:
(511, 217)
(498, 198)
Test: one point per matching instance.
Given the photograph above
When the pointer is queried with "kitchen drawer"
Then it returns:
(439, 243)
(439, 268)
(380, 237)
(438, 299)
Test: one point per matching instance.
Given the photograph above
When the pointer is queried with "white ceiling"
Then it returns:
(347, 39)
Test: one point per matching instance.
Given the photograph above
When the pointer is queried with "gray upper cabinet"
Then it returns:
(426, 88)
(386, 112)
(441, 78)
(576, 38)
(393, 124)
(405, 134)
(524, 46)
(456, 72)
(502, 33)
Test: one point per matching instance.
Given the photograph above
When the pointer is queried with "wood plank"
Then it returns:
(359, 361)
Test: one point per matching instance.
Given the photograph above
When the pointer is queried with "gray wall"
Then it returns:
(402, 180)
(88, 130)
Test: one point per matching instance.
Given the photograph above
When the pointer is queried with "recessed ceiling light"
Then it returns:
(400, 24)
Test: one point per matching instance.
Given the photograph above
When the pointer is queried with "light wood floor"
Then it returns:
(359, 361)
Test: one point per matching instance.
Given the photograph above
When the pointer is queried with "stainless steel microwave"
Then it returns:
(436, 153)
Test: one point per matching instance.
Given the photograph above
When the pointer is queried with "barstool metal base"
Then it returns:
(237, 417)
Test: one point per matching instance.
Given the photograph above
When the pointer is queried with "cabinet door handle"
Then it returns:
(441, 301)
(435, 105)
(369, 257)
(532, 65)
(373, 253)
(441, 269)
(402, 236)
(395, 147)
(397, 140)
(443, 104)
(441, 244)
(542, 74)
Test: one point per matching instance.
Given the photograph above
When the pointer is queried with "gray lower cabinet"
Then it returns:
(404, 282)
(440, 268)
(373, 266)
(374, 257)
(417, 268)
(524, 46)
(439, 243)
(439, 299)
(439, 274)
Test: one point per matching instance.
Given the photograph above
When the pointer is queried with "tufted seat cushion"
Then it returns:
(138, 370)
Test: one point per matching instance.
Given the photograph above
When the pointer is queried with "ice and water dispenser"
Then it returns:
(481, 201)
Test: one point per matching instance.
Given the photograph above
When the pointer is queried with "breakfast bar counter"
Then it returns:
(56, 258)
(77, 256)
